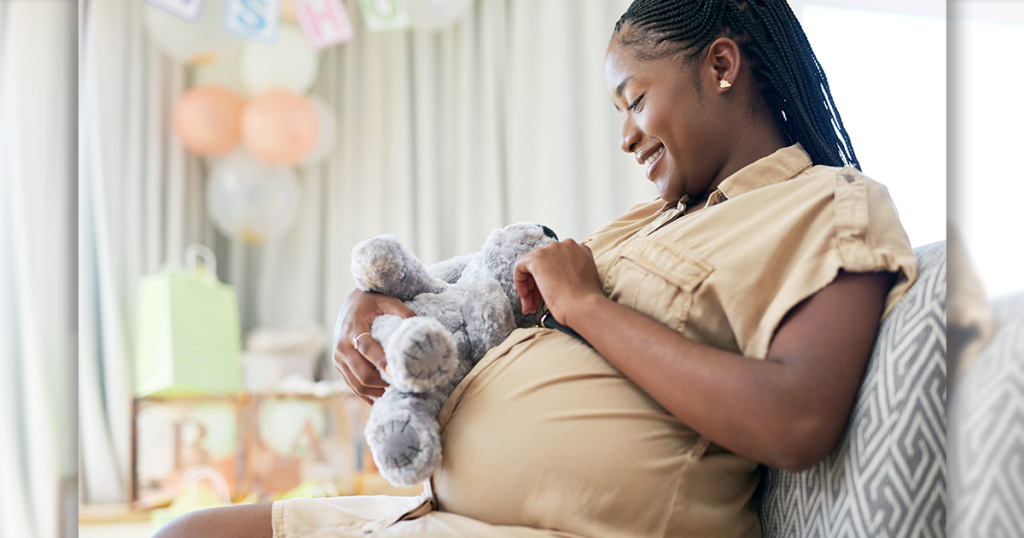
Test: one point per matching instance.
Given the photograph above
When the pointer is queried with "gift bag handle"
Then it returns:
(196, 250)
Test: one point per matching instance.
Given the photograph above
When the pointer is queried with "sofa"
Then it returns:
(887, 475)
(986, 433)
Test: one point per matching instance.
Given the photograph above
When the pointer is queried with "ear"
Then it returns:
(720, 63)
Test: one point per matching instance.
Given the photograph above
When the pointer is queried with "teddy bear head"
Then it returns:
(504, 246)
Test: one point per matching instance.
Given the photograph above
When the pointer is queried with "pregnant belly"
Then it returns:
(544, 432)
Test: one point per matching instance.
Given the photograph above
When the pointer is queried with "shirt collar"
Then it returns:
(780, 166)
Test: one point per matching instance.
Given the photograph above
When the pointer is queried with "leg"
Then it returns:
(421, 353)
(402, 433)
(245, 521)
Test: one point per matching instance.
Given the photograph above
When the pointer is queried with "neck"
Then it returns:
(756, 139)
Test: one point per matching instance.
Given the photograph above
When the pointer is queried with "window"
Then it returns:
(887, 74)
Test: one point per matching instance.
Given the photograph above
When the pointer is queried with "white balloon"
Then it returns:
(325, 142)
(249, 201)
(225, 73)
(289, 63)
(433, 15)
(204, 42)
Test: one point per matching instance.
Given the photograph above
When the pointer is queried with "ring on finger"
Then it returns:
(355, 339)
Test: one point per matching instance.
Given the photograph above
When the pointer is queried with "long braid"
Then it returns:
(785, 69)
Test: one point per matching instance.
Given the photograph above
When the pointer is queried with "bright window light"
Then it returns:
(887, 74)
(989, 114)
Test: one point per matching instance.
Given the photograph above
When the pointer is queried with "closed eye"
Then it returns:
(634, 104)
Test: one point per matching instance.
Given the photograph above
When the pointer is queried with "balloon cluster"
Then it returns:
(249, 105)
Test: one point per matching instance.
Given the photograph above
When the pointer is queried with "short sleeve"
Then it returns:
(857, 230)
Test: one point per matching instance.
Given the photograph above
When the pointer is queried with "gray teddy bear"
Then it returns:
(464, 306)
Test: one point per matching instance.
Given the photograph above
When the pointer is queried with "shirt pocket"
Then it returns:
(658, 280)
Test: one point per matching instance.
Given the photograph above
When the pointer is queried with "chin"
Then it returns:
(667, 196)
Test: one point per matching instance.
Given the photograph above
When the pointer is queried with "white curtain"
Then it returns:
(441, 137)
(38, 457)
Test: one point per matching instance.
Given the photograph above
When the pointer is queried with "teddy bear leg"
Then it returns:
(488, 316)
(421, 353)
(382, 264)
(402, 433)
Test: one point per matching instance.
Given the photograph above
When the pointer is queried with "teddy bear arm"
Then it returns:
(450, 270)
(383, 265)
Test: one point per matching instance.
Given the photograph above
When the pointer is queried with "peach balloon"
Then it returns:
(207, 120)
(287, 10)
(280, 128)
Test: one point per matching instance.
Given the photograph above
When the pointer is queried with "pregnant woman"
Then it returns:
(728, 322)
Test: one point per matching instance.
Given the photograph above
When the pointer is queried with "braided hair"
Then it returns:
(786, 72)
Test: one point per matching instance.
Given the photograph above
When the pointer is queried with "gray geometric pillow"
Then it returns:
(887, 475)
(986, 433)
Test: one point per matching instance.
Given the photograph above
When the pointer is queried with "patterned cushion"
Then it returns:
(986, 434)
(887, 476)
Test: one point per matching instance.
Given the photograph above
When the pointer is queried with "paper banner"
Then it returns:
(384, 15)
(257, 20)
(184, 9)
(325, 23)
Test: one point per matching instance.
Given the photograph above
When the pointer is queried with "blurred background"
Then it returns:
(132, 129)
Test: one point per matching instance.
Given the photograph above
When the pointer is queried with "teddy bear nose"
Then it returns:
(549, 232)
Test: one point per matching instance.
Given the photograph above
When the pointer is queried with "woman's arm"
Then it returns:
(787, 411)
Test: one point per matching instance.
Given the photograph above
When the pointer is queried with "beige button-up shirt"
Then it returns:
(772, 235)
(545, 433)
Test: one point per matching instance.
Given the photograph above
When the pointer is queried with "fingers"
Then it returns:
(359, 365)
(356, 352)
(368, 347)
(359, 375)
(368, 395)
(395, 307)
(526, 286)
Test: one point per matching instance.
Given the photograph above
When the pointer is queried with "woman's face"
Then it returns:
(666, 123)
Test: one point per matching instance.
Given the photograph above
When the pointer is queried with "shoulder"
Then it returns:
(800, 233)
(834, 182)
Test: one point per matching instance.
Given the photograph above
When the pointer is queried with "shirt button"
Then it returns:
(849, 178)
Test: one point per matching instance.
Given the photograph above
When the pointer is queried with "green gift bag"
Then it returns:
(188, 340)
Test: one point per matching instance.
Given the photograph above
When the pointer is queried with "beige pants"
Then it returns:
(381, 516)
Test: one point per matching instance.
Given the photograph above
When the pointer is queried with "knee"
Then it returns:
(190, 524)
(249, 521)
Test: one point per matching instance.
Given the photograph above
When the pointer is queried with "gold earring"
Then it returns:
(724, 84)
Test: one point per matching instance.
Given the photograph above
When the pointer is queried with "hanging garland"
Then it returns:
(255, 61)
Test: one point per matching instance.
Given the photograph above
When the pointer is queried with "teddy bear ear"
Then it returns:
(549, 232)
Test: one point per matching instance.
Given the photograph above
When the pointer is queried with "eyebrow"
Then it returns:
(621, 86)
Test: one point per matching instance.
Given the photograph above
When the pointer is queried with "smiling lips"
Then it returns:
(647, 157)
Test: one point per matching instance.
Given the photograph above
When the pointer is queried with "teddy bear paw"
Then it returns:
(405, 451)
(421, 355)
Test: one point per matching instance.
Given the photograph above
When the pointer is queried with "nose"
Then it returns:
(630, 135)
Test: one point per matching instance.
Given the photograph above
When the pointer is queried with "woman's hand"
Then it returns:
(559, 274)
(358, 360)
